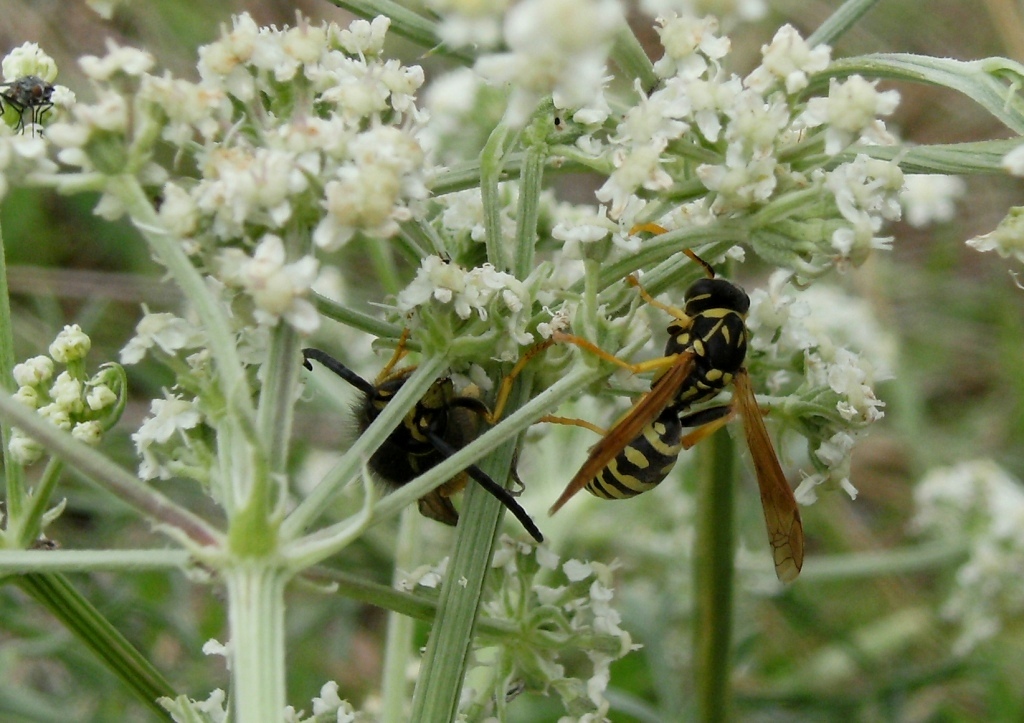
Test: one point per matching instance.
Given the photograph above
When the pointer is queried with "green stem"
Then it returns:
(401, 627)
(840, 21)
(18, 561)
(356, 319)
(14, 474)
(713, 577)
(439, 685)
(275, 413)
(77, 614)
(384, 270)
(530, 186)
(491, 163)
(256, 618)
(32, 523)
(629, 55)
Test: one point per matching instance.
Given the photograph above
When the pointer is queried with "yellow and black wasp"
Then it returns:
(441, 423)
(705, 352)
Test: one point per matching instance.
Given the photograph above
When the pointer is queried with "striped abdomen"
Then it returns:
(643, 463)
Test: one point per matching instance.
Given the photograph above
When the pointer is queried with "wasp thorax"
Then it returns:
(707, 294)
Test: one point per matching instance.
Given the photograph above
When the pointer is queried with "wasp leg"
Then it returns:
(338, 368)
(400, 351)
(495, 489)
(506, 383)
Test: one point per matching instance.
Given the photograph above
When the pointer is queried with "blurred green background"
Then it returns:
(871, 647)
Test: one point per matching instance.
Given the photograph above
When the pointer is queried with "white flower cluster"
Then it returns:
(172, 440)
(759, 121)
(84, 406)
(979, 504)
(481, 293)
(844, 352)
(327, 706)
(290, 129)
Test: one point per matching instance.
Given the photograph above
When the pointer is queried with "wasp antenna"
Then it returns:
(338, 368)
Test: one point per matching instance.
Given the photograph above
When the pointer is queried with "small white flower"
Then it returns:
(28, 59)
(71, 345)
(100, 397)
(556, 47)
(365, 38)
(788, 58)
(24, 449)
(576, 570)
(164, 331)
(1007, 239)
(34, 371)
(56, 415)
(931, 198)
(278, 289)
(67, 393)
(168, 416)
(689, 43)
(130, 61)
(850, 113)
(90, 432)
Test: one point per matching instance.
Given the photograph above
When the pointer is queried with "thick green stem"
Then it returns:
(439, 685)
(256, 618)
(713, 578)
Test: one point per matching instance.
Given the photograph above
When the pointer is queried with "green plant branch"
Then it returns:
(20, 561)
(399, 638)
(491, 163)
(992, 82)
(439, 686)
(714, 549)
(840, 21)
(77, 614)
(32, 523)
(355, 319)
(14, 473)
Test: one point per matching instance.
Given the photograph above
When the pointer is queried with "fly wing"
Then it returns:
(781, 513)
(645, 411)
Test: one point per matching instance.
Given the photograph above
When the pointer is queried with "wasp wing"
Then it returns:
(781, 514)
(645, 411)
